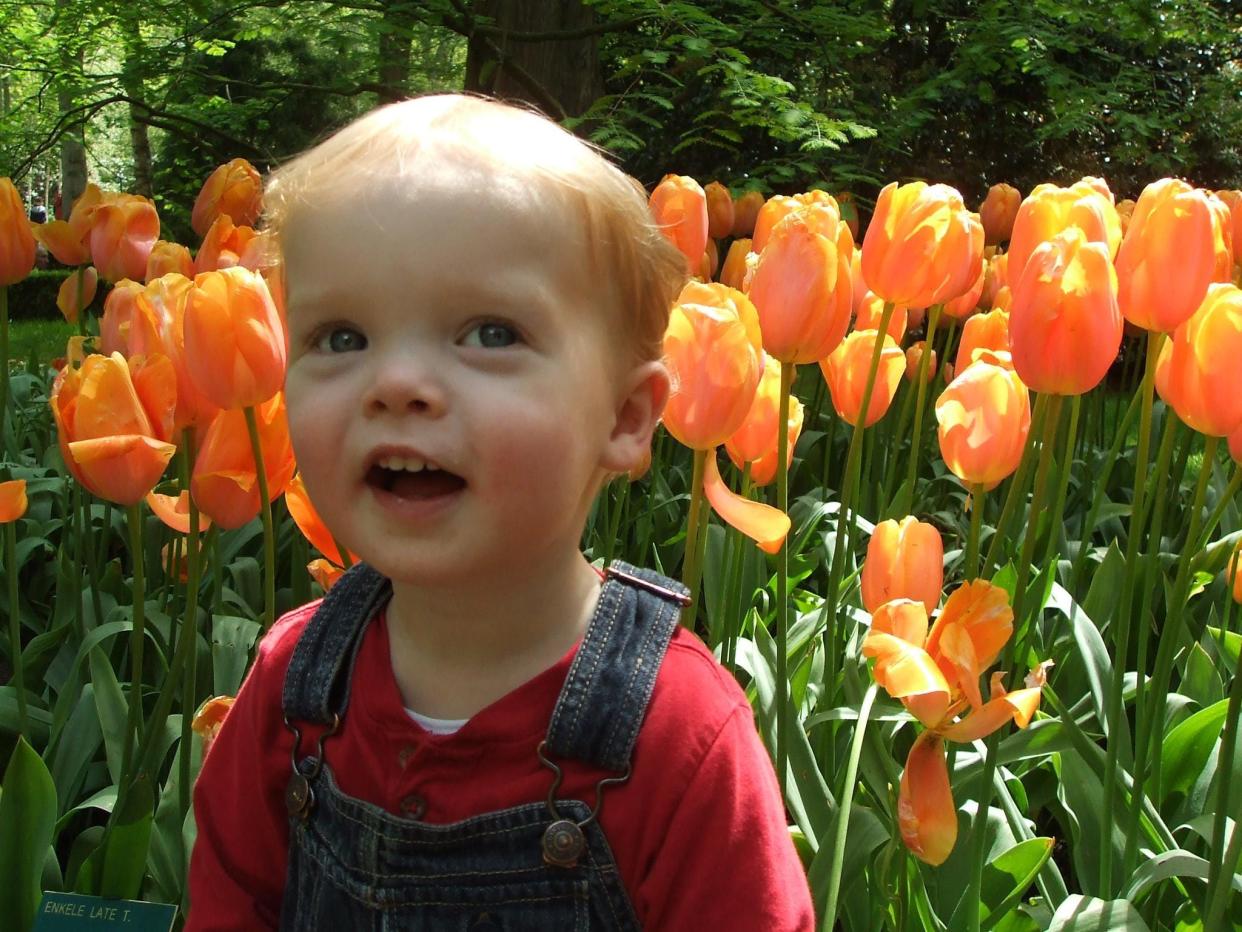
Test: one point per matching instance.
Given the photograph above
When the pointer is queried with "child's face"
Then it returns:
(440, 322)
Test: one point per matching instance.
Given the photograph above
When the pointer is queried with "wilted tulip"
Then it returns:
(234, 339)
(1065, 326)
(755, 442)
(124, 229)
(225, 484)
(998, 212)
(679, 207)
(309, 523)
(223, 246)
(1169, 255)
(745, 211)
(870, 312)
(76, 292)
(733, 272)
(113, 420)
(174, 511)
(17, 243)
(1049, 209)
(168, 257)
(983, 331)
(846, 374)
(801, 285)
(233, 190)
(984, 416)
(1199, 373)
(765, 525)
(719, 210)
(209, 719)
(914, 356)
(12, 500)
(714, 355)
(904, 561)
(922, 247)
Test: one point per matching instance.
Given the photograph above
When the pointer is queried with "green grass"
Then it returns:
(42, 340)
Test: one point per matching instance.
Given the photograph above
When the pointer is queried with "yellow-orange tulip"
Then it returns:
(234, 339)
(988, 331)
(124, 229)
(233, 190)
(17, 242)
(755, 442)
(324, 572)
(1049, 209)
(984, 416)
(904, 561)
(714, 354)
(69, 240)
(1223, 271)
(168, 257)
(774, 210)
(1233, 200)
(846, 370)
(1233, 572)
(733, 272)
(174, 511)
(859, 283)
(719, 210)
(995, 277)
(765, 525)
(679, 207)
(1199, 372)
(77, 292)
(223, 246)
(711, 261)
(309, 523)
(926, 813)
(923, 247)
(1235, 445)
(12, 500)
(914, 356)
(801, 285)
(1065, 326)
(162, 305)
(745, 211)
(113, 421)
(125, 327)
(209, 719)
(965, 304)
(1169, 255)
(225, 484)
(998, 212)
(871, 310)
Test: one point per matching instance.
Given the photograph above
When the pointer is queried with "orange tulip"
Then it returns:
(113, 421)
(1169, 255)
(225, 484)
(923, 247)
(168, 257)
(174, 511)
(309, 523)
(846, 374)
(849, 212)
(209, 719)
(966, 303)
(125, 327)
(745, 211)
(926, 813)
(733, 273)
(983, 331)
(995, 277)
(872, 309)
(998, 212)
(904, 561)
(860, 289)
(233, 190)
(755, 442)
(1223, 271)
(774, 210)
(914, 356)
(223, 246)
(77, 292)
(679, 207)
(1065, 326)
(69, 240)
(714, 356)
(12, 500)
(801, 285)
(124, 229)
(17, 242)
(160, 309)
(719, 210)
(1199, 373)
(765, 525)
(1235, 445)
(1049, 209)
(234, 340)
(1233, 200)
(984, 416)
(711, 261)
(325, 572)
(1233, 572)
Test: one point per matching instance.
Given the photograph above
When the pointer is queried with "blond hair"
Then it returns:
(623, 244)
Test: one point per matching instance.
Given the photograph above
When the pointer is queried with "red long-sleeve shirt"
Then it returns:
(698, 831)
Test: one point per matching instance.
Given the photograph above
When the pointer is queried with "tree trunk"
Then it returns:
(73, 139)
(140, 143)
(562, 77)
(396, 32)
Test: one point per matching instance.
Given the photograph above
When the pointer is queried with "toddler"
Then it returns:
(476, 729)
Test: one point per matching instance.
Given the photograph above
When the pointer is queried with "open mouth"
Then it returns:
(424, 482)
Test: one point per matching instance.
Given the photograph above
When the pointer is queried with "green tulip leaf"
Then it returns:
(1188, 747)
(27, 820)
(1088, 914)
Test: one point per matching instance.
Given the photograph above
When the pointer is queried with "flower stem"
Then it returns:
(4, 361)
(920, 383)
(15, 625)
(846, 798)
(1219, 878)
(691, 570)
(189, 624)
(265, 510)
(137, 641)
(782, 580)
(1017, 485)
(971, 563)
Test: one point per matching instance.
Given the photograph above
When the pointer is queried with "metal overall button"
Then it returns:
(564, 841)
(299, 794)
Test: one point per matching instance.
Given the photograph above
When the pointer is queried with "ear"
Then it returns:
(640, 403)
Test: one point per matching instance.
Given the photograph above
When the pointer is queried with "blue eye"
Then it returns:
(340, 340)
(492, 335)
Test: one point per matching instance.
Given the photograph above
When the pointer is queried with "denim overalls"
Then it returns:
(544, 865)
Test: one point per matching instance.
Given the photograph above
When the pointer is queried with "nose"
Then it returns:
(404, 383)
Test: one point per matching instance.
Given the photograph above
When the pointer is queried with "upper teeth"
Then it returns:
(407, 463)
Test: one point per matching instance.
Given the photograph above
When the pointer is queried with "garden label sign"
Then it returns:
(72, 912)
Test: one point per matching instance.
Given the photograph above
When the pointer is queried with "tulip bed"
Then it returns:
(978, 589)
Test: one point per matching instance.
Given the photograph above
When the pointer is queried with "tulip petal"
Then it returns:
(765, 525)
(1019, 705)
(304, 515)
(122, 468)
(909, 673)
(925, 809)
(174, 511)
(12, 500)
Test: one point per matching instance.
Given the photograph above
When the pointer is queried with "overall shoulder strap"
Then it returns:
(317, 681)
(604, 700)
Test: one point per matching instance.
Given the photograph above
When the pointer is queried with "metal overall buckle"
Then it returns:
(299, 795)
(564, 841)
